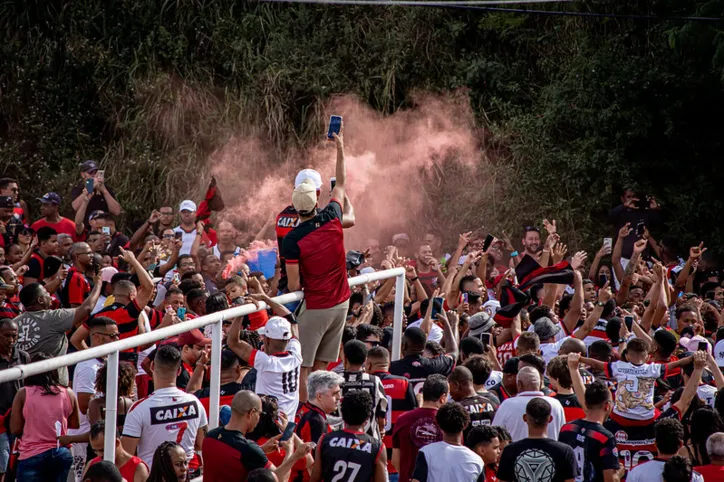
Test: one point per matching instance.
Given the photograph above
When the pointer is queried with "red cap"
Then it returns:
(193, 337)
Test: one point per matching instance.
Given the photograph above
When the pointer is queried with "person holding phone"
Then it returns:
(636, 211)
(102, 197)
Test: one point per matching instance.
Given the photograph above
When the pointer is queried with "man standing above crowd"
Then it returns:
(103, 199)
(10, 187)
(187, 228)
(78, 283)
(316, 261)
(49, 209)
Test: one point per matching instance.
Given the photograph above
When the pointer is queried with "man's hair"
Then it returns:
(600, 350)
(638, 345)
(7, 321)
(45, 233)
(452, 418)
(261, 475)
(168, 357)
(480, 368)
(536, 361)
(118, 277)
(466, 279)
(685, 308)
(528, 342)
(356, 407)
(434, 348)
(97, 429)
(100, 322)
(349, 333)
(503, 434)
(558, 368)
(460, 375)
(364, 330)
(471, 346)
(542, 311)
(103, 471)
(434, 387)
(669, 435)
(173, 291)
(613, 328)
(187, 285)
(380, 354)
(355, 352)
(228, 359)
(715, 446)
(564, 304)
(30, 294)
(572, 345)
(677, 469)
(322, 381)
(529, 378)
(597, 394)
(195, 294)
(216, 302)
(416, 338)
(538, 411)
(482, 434)
(6, 181)
(608, 309)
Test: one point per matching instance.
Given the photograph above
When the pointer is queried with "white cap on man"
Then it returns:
(278, 328)
(187, 205)
(311, 174)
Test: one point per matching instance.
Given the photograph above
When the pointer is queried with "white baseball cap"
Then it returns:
(187, 205)
(278, 328)
(719, 353)
(311, 174)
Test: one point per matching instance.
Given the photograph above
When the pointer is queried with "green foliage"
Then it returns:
(573, 109)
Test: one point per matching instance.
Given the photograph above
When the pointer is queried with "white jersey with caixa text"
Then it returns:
(167, 415)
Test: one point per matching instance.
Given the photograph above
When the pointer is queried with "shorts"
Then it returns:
(320, 332)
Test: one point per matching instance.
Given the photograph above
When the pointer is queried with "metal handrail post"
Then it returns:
(109, 442)
(214, 395)
(397, 326)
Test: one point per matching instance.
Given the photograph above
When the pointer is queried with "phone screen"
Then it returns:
(89, 186)
(703, 345)
(106, 230)
(488, 241)
(332, 182)
(465, 298)
(602, 281)
(485, 338)
(101, 175)
(181, 313)
(288, 432)
(436, 307)
(335, 125)
(178, 234)
(629, 322)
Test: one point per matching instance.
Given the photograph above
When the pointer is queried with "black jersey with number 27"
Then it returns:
(349, 456)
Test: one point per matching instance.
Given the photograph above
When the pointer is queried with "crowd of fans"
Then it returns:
(518, 364)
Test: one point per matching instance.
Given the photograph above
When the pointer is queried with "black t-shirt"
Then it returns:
(417, 368)
(531, 460)
(96, 203)
(349, 456)
(482, 408)
(594, 447)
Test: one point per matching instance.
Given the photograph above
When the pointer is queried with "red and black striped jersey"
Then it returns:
(126, 318)
(311, 425)
(400, 399)
(571, 406)
(594, 446)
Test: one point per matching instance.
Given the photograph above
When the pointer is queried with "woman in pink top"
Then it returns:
(42, 411)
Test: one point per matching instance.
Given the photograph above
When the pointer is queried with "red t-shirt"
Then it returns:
(413, 431)
(128, 471)
(65, 225)
(76, 289)
(317, 246)
(711, 472)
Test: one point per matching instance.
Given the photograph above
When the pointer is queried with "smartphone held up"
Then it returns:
(335, 126)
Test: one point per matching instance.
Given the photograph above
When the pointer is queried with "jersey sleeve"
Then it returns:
(253, 457)
(420, 472)
(134, 311)
(442, 364)
(332, 210)
(134, 423)
(609, 455)
(295, 348)
(290, 250)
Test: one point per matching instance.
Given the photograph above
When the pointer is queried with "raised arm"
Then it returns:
(451, 333)
(339, 191)
(114, 206)
(576, 309)
(146, 290)
(595, 364)
(622, 295)
(679, 363)
(172, 260)
(241, 348)
(604, 294)
(80, 213)
(618, 248)
(454, 294)
(141, 232)
(579, 388)
(84, 310)
(604, 251)
(693, 384)
(695, 253)
(426, 324)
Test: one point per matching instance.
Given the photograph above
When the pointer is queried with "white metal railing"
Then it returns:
(111, 350)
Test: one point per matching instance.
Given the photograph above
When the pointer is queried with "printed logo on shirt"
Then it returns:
(621, 436)
(425, 431)
(534, 466)
(350, 443)
(29, 334)
(174, 413)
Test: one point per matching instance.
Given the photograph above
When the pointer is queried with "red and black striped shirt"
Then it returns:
(126, 318)
(400, 399)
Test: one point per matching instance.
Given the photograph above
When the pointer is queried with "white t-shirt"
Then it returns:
(84, 381)
(707, 393)
(100, 304)
(435, 463)
(435, 332)
(186, 238)
(278, 375)
(494, 378)
(550, 350)
(143, 354)
(635, 392)
(510, 415)
(217, 253)
(167, 415)
(652, 470)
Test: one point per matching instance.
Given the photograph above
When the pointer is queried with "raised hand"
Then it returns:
(550, 227)
(410, 271)
(574, 360)
(604, 294)
(639, 246)
(464, 239)
(696, 251)
(578, 259)
(551, 241)
(559, 252)
(625, 230)
(154, 217)
(604, 251)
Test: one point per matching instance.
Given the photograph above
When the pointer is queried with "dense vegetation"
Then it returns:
(573, 108)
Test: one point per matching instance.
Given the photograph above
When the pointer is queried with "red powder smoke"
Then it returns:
(387, 159)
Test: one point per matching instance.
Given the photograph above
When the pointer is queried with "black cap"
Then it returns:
(6, 202)
(88, 166)
(511, 366)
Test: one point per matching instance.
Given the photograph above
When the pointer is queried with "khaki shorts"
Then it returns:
(320, 332)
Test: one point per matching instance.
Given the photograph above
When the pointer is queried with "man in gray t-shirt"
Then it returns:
(42, 330)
